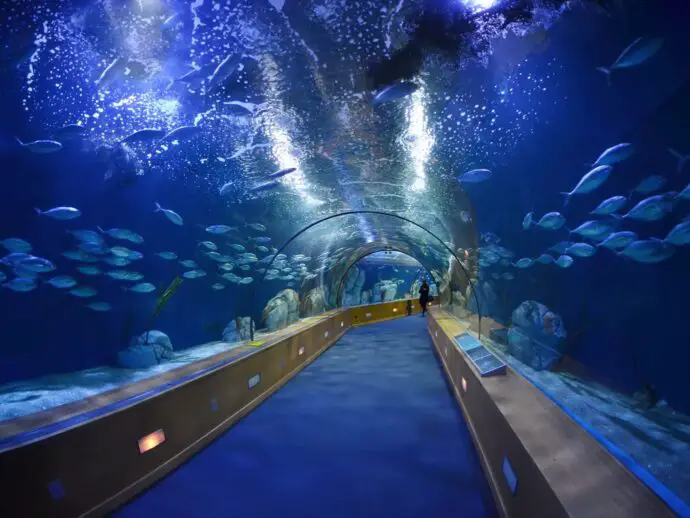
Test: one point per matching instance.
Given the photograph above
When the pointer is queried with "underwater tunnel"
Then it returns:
(219, 220)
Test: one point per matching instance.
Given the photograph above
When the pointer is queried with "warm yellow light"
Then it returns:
(300, 352)
(395, 310)
(151, 440)
(464, 384)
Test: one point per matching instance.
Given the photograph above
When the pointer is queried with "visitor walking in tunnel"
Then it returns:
(424, 296)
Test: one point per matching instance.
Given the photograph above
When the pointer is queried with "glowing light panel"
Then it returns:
(480, 5)
(152, 440)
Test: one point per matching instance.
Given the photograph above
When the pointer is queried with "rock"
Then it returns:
(536, 336)
(485, 294)
(499, 335)
(458, 299)
(352, 290)
(237, 330)
(282, 310)
(384, 291)
(314, 303)
(366, 297)
(146, 350)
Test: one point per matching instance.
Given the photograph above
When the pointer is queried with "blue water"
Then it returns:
(369, 429)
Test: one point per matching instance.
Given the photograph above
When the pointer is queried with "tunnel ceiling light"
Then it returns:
(151, 441)
(480, 5)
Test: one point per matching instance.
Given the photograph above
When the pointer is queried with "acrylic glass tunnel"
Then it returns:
(174, 171)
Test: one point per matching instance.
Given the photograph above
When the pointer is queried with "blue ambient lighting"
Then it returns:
(510, 476)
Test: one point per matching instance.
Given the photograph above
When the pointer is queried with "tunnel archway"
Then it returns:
(372, 245)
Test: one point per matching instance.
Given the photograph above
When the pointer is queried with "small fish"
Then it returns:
(261, 239)
(83, 292)
(264, 186)
(142, 287)
(653, 208)
(62, 282)
(528, 221)
(188, 263)
(595, 229)
(475, 176)
(61, 213)
(170, 214)
(581, 250)
(589, 182)
(124, 275)
(635, 54)
(615, 154)
(219, 229)
(87, 236)
(282, 172)
(545, 259)
(395, 92)
(94, 248)
(262, 249)
(685, 193)
(618, 240)
(209, 245)
(123, 234)
(120, 251)
(224, 70)
(551, 221)
(466, 217)
(256, 226)
(682, 159)
(245, 267)
(679, 235)
(246, 280)
(70, 131)
(100, 306)
(78, 255)
(134, 255)
(194, 274)
(237, 247)
(650, 184)
(15, 244)
(112, 72)
(610, 205)
(525, 262)
(36, 264)
(648, 251)
(226, 188)
(41, 147)
(564, 261)
(508, 276)
(21, 284)
(89, 270)
(144, 135)
(561, 247)
(218, 286)
(181, 133)
(117, 261)
(170, 256)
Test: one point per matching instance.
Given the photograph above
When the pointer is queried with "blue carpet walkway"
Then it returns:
(368, 430)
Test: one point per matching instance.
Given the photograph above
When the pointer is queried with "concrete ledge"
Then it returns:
(559, 468)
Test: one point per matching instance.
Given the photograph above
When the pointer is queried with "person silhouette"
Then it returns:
(424, 296)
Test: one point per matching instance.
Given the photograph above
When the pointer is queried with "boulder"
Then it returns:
(352, 290)
(314, 303)
(536, 336)
(458, 299)
(237, 330)
(366, 297)
(282, 310)
(384, 291)
(146, 350)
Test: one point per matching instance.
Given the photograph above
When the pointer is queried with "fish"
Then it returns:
(264, 186)
(245, 267)
(94, 248)
(100, 306)
(610, 205)
(262, 249)
(15, 244)
(618, 240)
(226, 188)
(261, 239)
(144, 135)
(209, 244)
(112, 72)
(78, 255)
(545, 259)
(525, 262)
(117, 261)
(134, 255)
(194, 274)
(595, 229)
(238, 109)
(475, 176)
(87, 236)
(633, 55)
(615, 154)
(551, 221)
(196, 74)
(589, 182)
(219, 229)
(169, 256)
(682, 159)
(41, 147)
(224, 70)
(61, 281)
(120, 251)
(21, 284)
(170, 214)
(564, 261)
(142, 287)
(561, 247)
(123, 234)
(69, 131)
(282, 172)
(181, 133)
(188, 263)
(653, 208)
(679, 235)
(395, 92)
(124, 275)
(61, 213)
(581, 250)
(685, 193)
(89, 270)
(36, 264)
(508, 276)
(246, 280)
(648, 251)
(83, 292)
(237, 247)
(466, 217)
(528, 221)
(650, 184)
(218, 286)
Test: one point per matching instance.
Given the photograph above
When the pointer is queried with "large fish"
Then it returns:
(610, 205)
(170, 214)
(619, 240)
(635, 54)
(648, 251)
(144, 135)
(680, 234)
(551, 221)
(61, 213)
(224, 70)
(182, 133)
(615, 154)
(653, 208)
(590, 181)
(475, 176)
(395, 92)
(41, 147)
